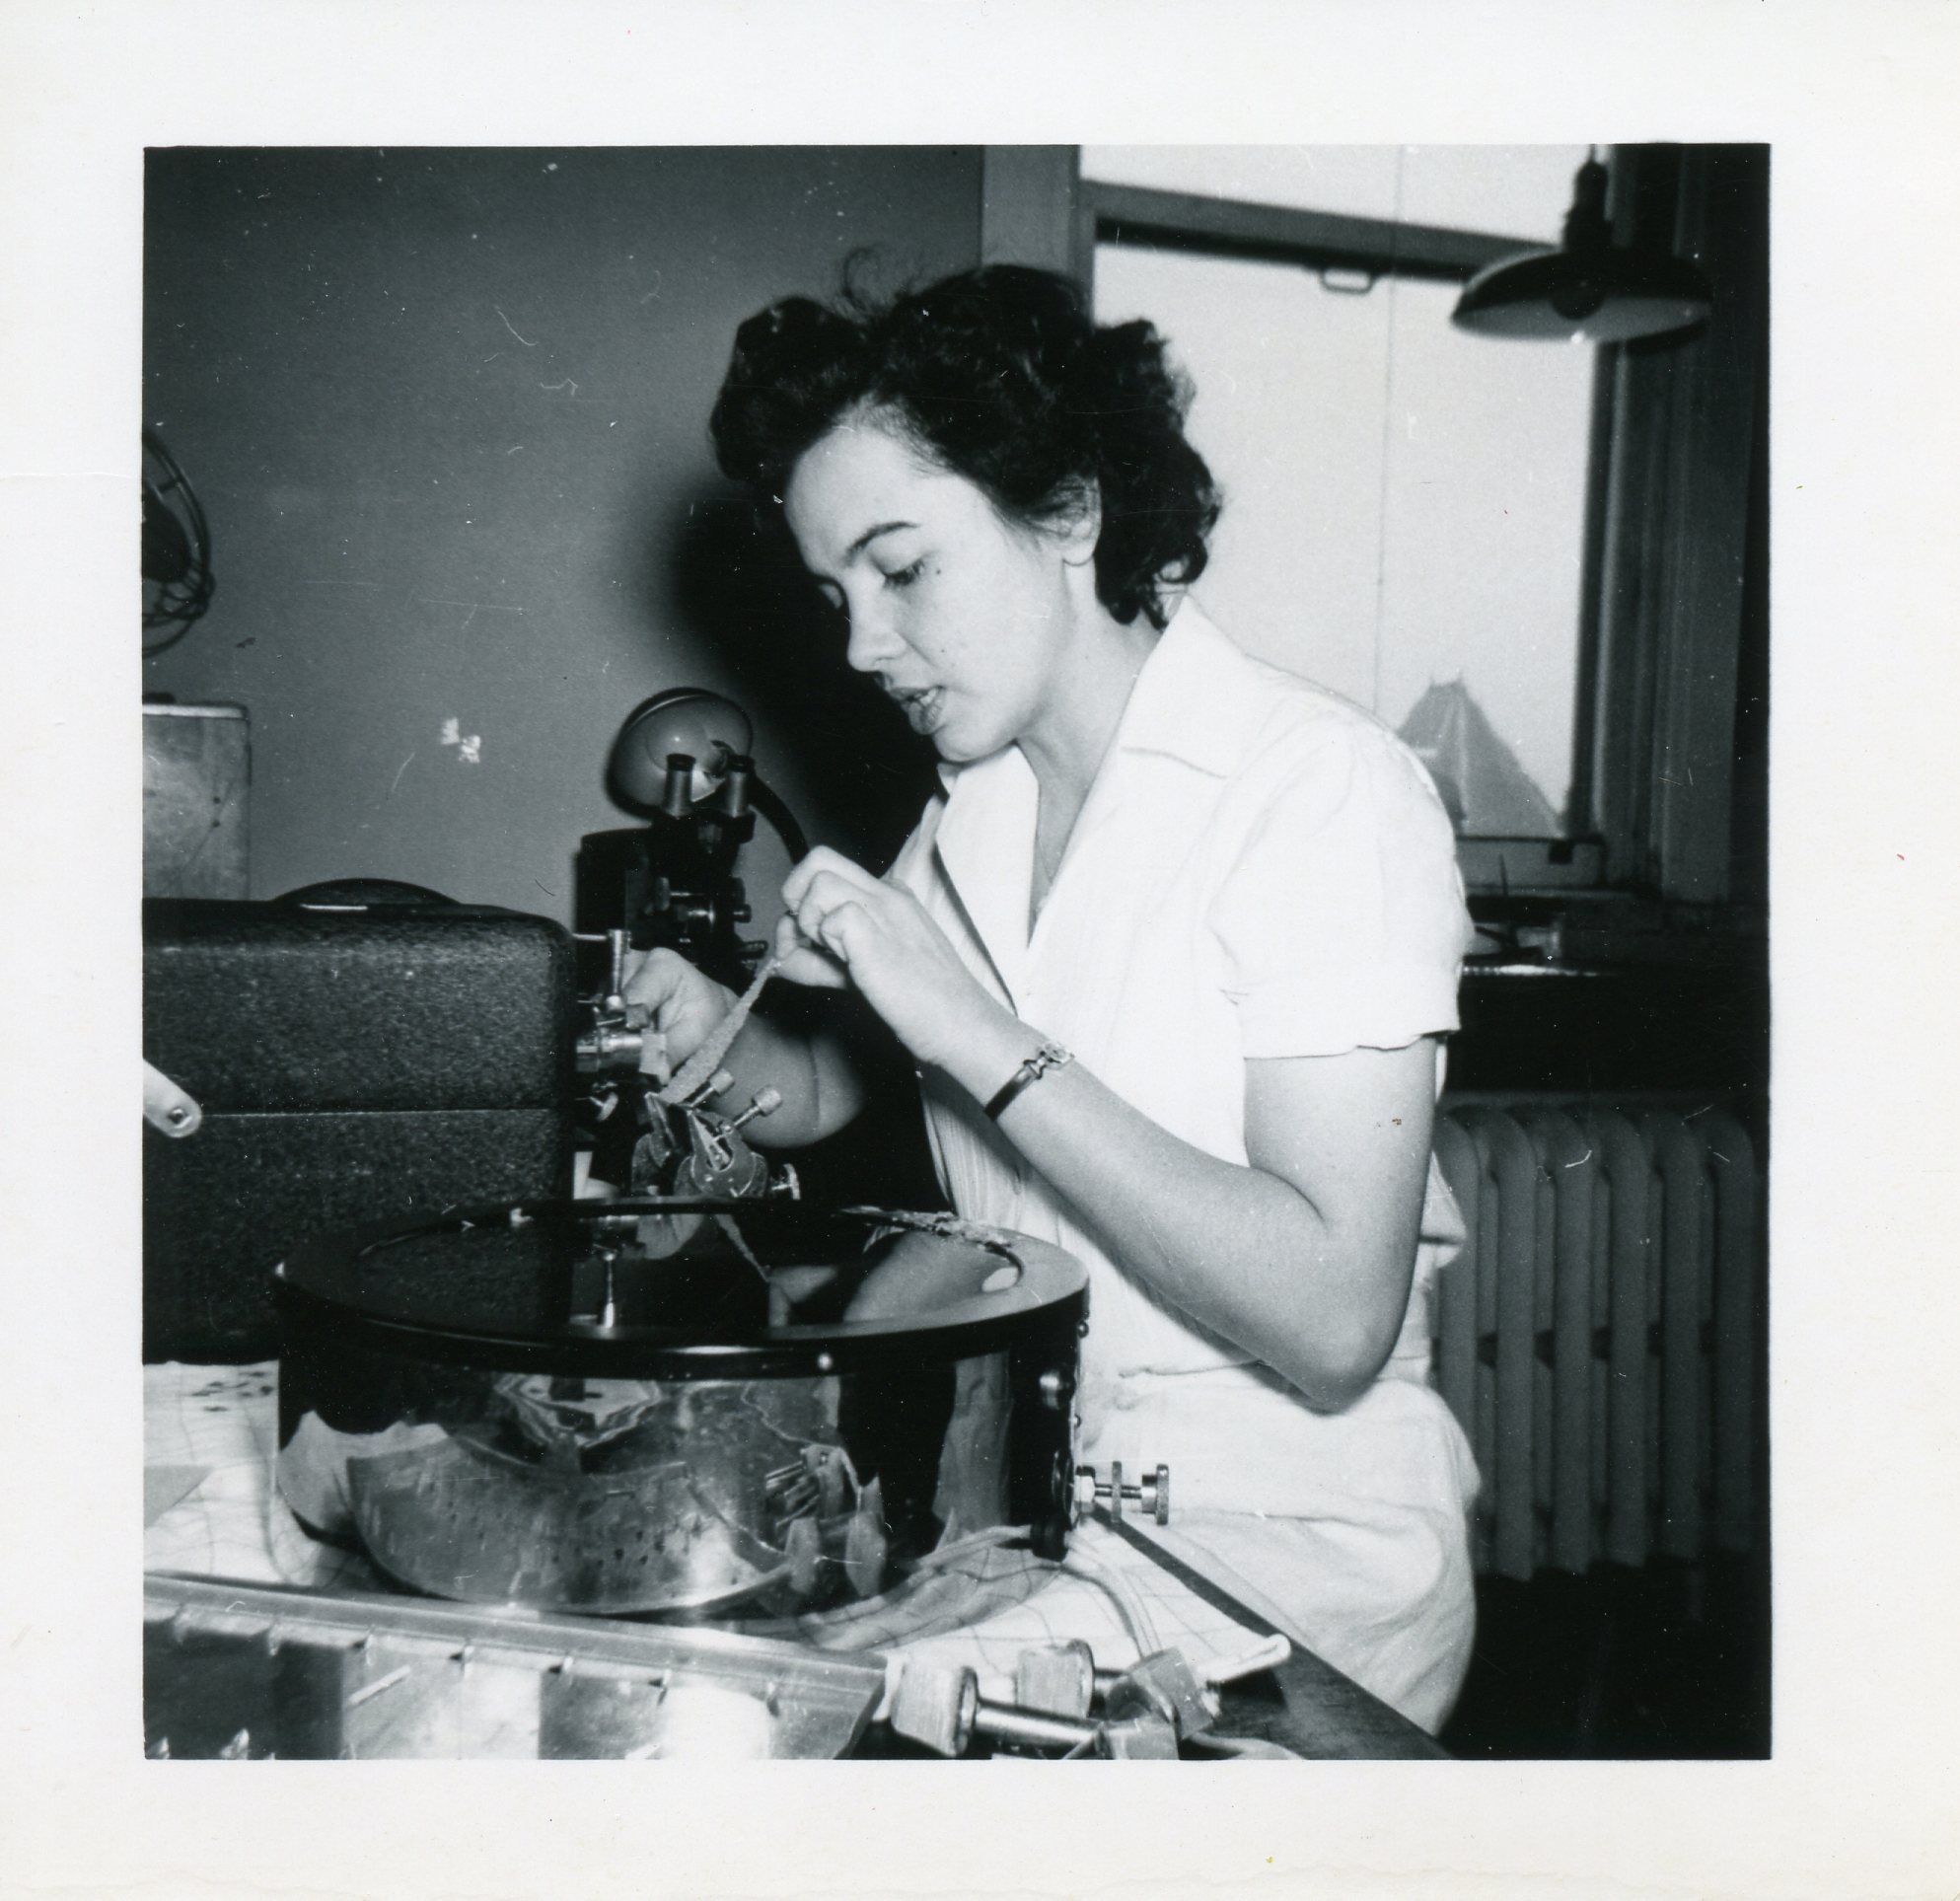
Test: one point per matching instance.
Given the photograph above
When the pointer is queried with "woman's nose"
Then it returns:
(871, 641)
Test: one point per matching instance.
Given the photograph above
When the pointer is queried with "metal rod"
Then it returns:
(1180, 220)
(1006, 1723)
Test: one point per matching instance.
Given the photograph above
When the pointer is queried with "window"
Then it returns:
(1577, 534)
(1405, 509)
(1406, 504)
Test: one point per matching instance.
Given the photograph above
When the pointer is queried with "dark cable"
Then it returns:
(763, 798)
(181, 600)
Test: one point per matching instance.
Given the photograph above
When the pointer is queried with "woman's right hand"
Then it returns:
(680, 1004)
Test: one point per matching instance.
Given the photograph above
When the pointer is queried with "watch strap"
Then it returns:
(1051, 1055)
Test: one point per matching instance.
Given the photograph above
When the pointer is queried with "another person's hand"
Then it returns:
(843, 924)
(680, 1004)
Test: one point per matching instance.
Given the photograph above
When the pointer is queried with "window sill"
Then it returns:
(1516, 865)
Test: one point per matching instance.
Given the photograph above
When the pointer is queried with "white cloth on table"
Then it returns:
(1260, 870)
(225, 1420)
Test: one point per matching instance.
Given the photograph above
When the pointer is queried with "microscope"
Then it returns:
(683, 761)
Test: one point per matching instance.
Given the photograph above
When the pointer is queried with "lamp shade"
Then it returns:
(1587, 291)
(709, 729)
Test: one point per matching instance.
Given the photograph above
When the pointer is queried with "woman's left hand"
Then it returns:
(843, 926)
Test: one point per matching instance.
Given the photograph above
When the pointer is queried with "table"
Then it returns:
(212, 1508)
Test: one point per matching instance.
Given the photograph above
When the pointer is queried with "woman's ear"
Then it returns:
(1078, 521)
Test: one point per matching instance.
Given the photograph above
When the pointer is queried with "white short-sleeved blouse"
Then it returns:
(1260, 870)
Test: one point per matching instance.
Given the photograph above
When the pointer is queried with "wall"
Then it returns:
(446, 411)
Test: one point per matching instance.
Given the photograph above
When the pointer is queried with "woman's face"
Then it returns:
(959, 616)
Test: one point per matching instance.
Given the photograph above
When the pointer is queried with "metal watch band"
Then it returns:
(1051, 1055)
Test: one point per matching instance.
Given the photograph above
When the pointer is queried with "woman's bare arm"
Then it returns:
(1301, 1258)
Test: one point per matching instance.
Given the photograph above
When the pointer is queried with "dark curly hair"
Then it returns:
(1002, 377)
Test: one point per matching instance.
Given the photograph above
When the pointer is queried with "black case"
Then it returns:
(351, 1064)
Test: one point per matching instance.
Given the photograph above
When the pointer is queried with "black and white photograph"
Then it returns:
(1211, 702)
(988, 952)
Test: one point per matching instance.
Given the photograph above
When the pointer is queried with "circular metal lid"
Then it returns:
(672, 1288)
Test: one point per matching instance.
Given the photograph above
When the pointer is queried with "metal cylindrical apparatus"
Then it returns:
(743, 1408)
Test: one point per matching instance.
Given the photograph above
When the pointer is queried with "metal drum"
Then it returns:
(746, 1409)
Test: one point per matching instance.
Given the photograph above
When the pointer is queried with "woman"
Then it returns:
(1173, 951)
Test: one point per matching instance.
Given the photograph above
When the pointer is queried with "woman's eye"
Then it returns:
(906, 576)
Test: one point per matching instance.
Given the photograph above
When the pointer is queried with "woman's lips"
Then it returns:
(920, 707)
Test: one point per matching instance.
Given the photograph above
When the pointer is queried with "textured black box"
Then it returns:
(351, 1064)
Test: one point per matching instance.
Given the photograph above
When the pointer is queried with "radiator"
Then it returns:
(1598, 1337)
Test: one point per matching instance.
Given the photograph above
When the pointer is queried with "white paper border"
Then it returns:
(1860, 1797)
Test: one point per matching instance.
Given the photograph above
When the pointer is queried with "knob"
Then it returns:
(765, 1102)
(1152, 1496)
(1057, 1678)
